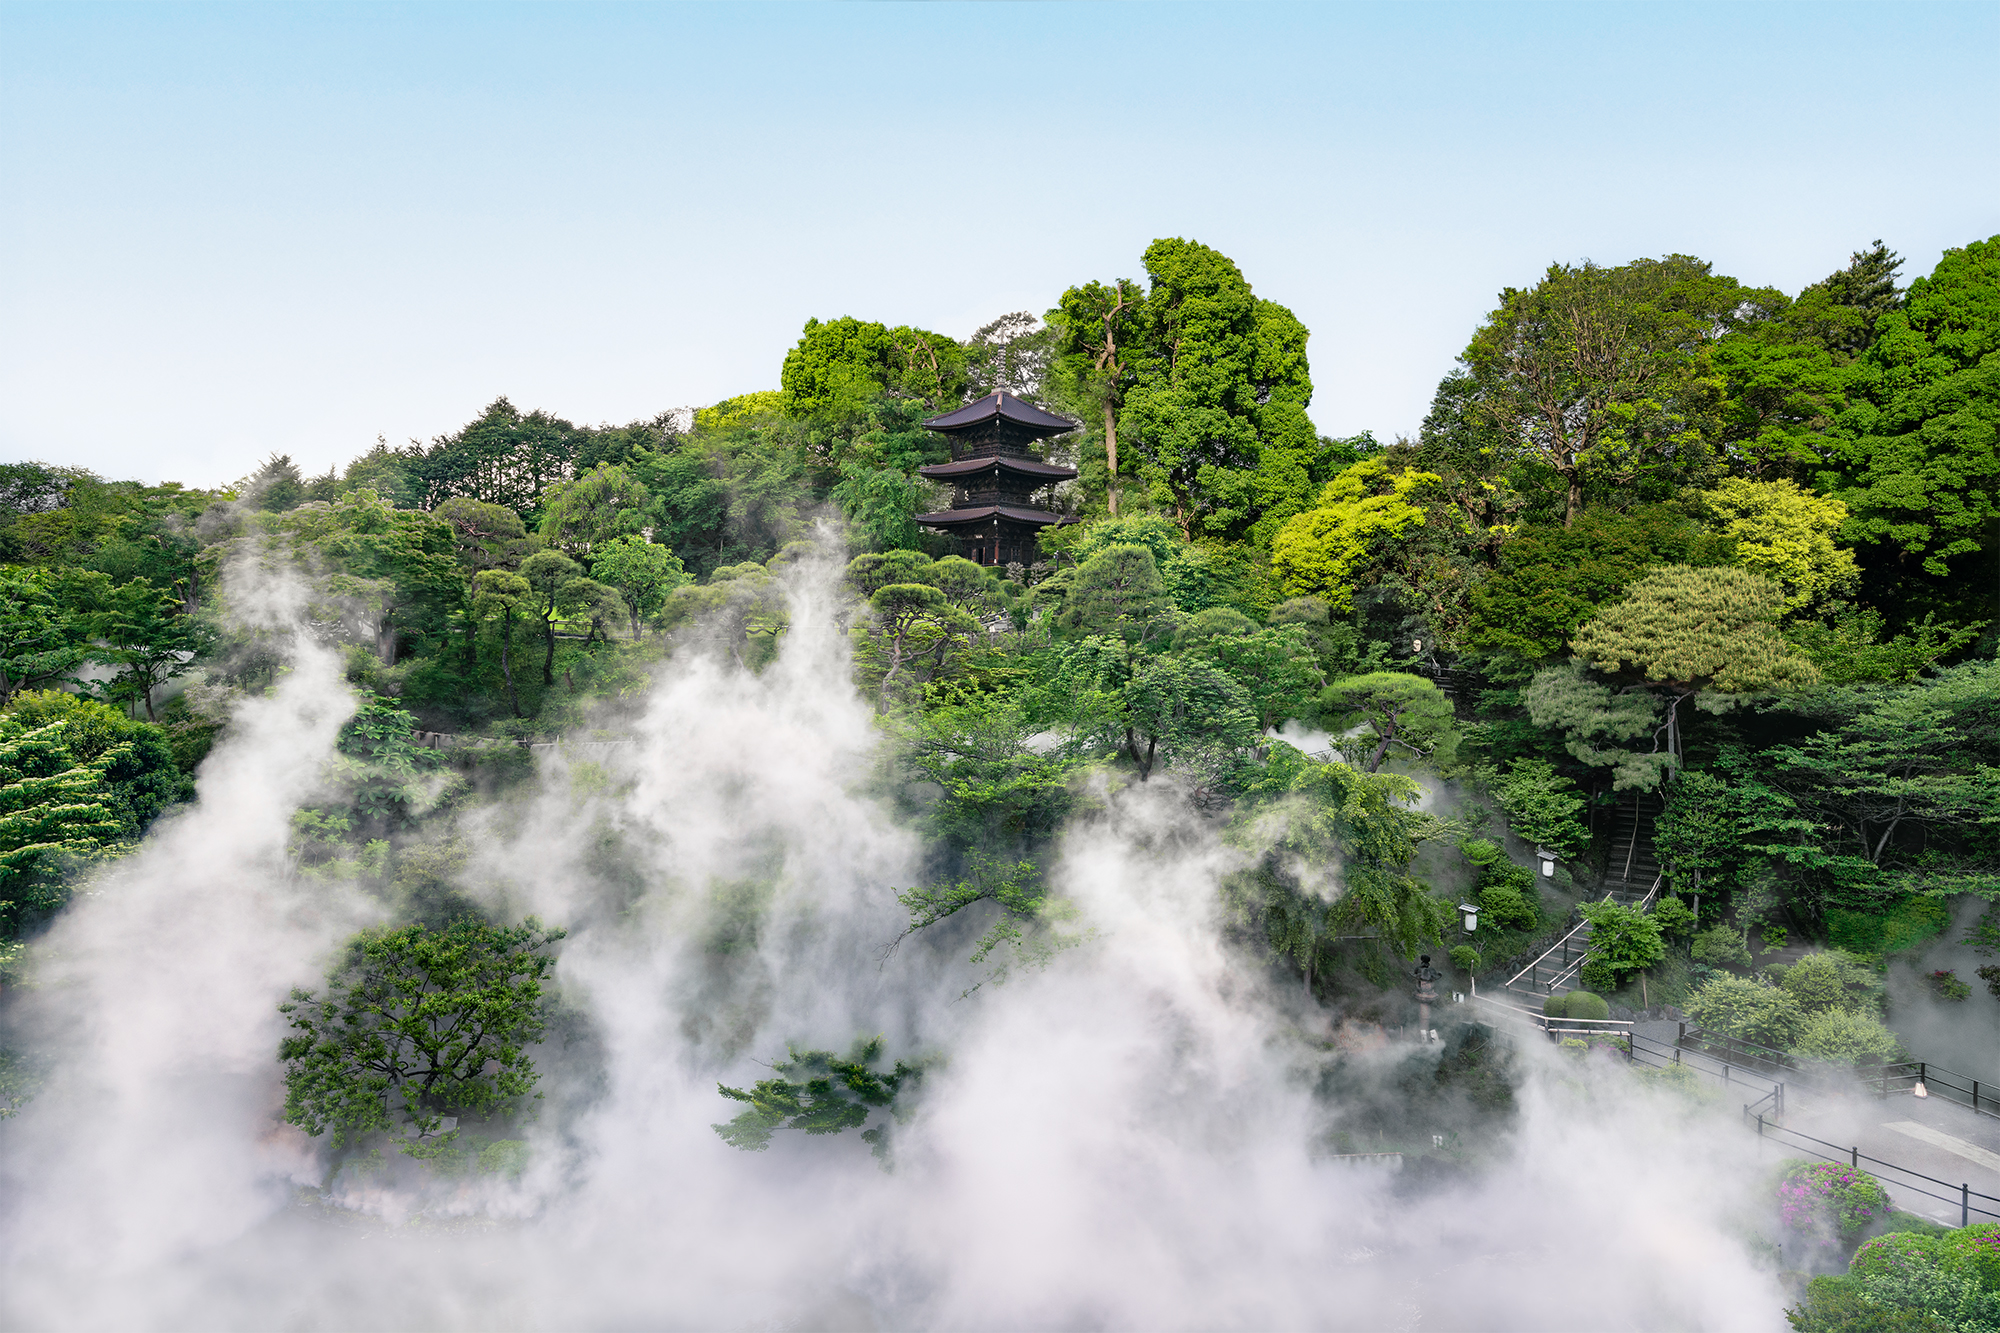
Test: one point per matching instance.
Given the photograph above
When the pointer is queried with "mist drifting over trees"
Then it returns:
(585, 876)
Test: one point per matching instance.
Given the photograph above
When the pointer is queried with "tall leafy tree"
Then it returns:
(504, 599)
(1603, 375)
(1217, 409)
(643, 572)
(504, 457)
(1100, 328)
(40, 641)
(49, 803)
(1917, 459)
(547, 573)
(601, 505)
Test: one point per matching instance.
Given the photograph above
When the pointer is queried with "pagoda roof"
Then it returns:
(1005, 407)
(968, 467)
(951, 518)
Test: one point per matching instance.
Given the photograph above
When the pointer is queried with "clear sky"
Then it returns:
(226, 231)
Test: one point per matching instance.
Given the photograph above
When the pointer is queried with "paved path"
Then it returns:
(1929, 1135)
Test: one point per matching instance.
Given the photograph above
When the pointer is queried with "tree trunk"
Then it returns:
(1132, 748)
(506, 666)
(1111, 457)
(895, 665)
(1575, 478)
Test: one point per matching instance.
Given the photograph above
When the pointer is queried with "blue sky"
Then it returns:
(226, 231)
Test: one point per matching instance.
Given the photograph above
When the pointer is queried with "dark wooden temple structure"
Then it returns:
(994, 474)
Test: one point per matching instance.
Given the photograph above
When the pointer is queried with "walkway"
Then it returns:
(1941, 1139)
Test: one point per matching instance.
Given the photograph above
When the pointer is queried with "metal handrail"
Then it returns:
(1855, 1157)
(1570, 968)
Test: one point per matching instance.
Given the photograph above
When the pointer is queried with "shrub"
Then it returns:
(1623, 940)
(1741, 1007)
(1950, 1277)
(1507, 895)
(1840, 1037)
(1674, 917)
(1465, 958)
(1895, 1253)
(1481, 852)
(1775, 936)
(1991, 976)
(1831, 1202)
(1598, 975)
(1557, 1006)
(1974, 1250)
(1947, 986)
(1719, 946)
(1905, 926)
(1832, 979)
(1583, 1004)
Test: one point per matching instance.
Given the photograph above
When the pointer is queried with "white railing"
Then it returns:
(1570, 969)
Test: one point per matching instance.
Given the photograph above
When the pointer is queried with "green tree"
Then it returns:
(1915, 762)
(1099, 330)
(1741, 1007)
(840, 366)
(49, 804)
(136, 759)
(1400, 710)
(1786, 534)
(40, 642)
(1216, 412)
(547, 573)
(1334, 848)
(1117, 591)
(145, 635)
(600, 506)
(1319, 552)
(415, 1025)
(820, 1093)
(1183, 711)
(913, 619)
(1551, 581)
(504, 457)
(1603, 375)
(1542, 805)
(1833, 979)
(1276, 665)
(503, 600)
(1623, 941)
(396, 567)
(1697, 830)
(643, 572)
(1684, 631)
(1917, 458)
(1839, 1036)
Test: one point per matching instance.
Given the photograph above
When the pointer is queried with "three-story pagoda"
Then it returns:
(994, 474)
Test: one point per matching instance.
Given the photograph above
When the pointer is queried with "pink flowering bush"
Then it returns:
(1830, 1202)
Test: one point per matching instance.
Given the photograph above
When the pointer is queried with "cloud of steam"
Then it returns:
(1127, 1138)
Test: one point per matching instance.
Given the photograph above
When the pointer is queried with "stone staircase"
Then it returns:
(1634, 866)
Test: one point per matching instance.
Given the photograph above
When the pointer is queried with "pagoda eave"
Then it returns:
(958, 518)
(1041, 473)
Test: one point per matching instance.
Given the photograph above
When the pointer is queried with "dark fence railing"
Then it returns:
(1937, 1081)
(1896, 1076)
(1645, 1050)
(1961, 1194)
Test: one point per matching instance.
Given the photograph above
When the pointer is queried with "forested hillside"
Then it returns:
(1678, 614)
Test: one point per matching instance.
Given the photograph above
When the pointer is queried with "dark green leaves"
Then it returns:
(415, 1025)
(820, 1093)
